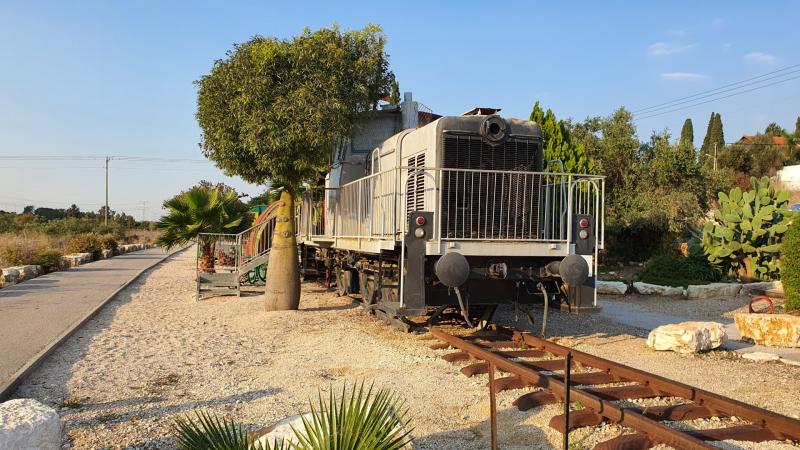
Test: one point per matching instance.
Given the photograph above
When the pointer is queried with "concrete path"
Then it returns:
(625, 314)
(38, 314)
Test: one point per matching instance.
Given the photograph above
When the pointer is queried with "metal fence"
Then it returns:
(480, 205)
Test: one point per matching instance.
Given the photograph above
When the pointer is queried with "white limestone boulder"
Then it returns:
(687, 337)
(761, 357)
(77, 259)
(26, 424)
(772, 288)
(9, 276)
(713, 290)
(655, 289)
(772, 330)
(611, 287)
(106, 253)
(27, 272)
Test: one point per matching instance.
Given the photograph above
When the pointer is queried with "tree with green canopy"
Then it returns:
(273, 111)
(687, 135)
(557, 144)
(200, 210)
(714, 137)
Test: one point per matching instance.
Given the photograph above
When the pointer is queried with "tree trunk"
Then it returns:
(283, 271)
(207, 258)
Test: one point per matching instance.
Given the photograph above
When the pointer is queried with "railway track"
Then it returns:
(600, 386)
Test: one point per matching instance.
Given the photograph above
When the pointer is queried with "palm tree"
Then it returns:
(200, 210)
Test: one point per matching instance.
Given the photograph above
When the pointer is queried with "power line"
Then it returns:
(720, 91)
(144, 159)
(719, 88)
(648, 116)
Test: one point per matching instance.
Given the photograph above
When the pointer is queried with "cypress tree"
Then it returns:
(718, 136)
(687, 134)
(707, 139)
(797, 128)
(557, 143)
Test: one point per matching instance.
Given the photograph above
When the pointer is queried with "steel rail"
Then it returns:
(784, 427)
(627, 417)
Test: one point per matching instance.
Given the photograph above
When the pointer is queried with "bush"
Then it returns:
(790, 258)
(50, 259)
(669, 270)
(22, 254)
(86, 243)
(109, 242)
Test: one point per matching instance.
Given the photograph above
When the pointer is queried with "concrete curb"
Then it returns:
(9, 388)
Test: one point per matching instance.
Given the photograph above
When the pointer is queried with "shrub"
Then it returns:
(670, 270)
(744, 238)
(109, 242)
(23, 252)
(50, 259)
(790, 258)
(85, 243)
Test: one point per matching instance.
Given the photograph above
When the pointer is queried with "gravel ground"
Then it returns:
(710, 309)
(155, 352)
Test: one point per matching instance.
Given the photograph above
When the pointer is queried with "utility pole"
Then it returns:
(715, 156)
(105, 222)
(144, 207)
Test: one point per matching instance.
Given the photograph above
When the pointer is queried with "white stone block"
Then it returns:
(26, 424)
(687, 337)
(713, 290)
(655, 289)
(611, 287)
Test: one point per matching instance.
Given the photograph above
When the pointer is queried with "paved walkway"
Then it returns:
(38, 314)
(621, 312)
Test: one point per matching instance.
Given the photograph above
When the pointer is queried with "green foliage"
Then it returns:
(363, 420)
(209, 432)
(109, 242)
(557, 144)
(790, 260)
(394, 97)
(714, 136)
(745, 237)
(687, 135)
(679, 270)
(199, 210)
(359, 420)
(20, 254)
(85, 243)
(273, 110)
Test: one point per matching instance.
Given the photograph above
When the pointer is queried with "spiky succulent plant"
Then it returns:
(744, 238)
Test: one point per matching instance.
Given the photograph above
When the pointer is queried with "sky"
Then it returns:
(116, 78)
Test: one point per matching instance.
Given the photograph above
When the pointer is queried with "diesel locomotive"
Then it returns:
(460, 214)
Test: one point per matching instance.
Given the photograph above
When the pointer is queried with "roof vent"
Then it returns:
(481, 111)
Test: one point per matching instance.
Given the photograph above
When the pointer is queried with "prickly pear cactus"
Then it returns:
(744, 238)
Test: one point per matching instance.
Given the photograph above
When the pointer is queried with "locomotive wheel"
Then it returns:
(368, 288)
(341, 285)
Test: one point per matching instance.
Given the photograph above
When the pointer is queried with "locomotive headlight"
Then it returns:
(583, 234)
(419, 232)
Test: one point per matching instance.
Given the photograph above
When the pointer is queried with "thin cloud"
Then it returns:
(760, 57)
(668, 48)
(683, 76)
(678, 33)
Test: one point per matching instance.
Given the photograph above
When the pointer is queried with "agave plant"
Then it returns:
(360, 419)
(745, 237)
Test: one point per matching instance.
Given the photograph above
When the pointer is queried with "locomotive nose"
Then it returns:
(452, 269)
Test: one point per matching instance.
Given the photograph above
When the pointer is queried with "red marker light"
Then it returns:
(420, 221)
(583, 223)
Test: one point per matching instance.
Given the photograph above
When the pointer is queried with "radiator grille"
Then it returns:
(415, 201)
(481, 205)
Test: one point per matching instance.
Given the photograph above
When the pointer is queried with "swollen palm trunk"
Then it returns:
(283, 272)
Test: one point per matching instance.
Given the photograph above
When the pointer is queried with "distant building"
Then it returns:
(776, 140)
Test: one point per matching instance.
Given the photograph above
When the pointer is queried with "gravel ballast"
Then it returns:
(155, 352)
